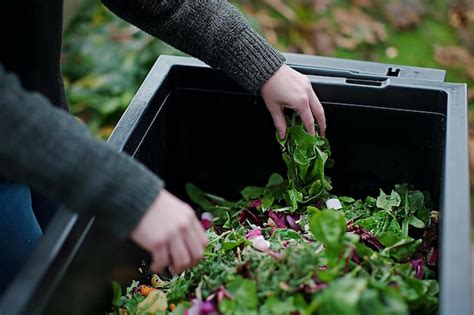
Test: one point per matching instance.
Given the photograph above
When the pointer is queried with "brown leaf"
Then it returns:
(455, 56)
(124, 34)
(323, 38)
(470, 95)
(271, 36)
(461, 15)
(346, 42)
(404, 14)
(283, 9)
(363, 3)
(356, 27)
(321, 6)
(265, 20)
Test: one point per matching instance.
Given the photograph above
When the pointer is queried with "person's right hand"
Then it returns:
(289, 88)
(170, 231)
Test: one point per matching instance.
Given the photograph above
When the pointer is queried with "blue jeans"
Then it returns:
(20, 227)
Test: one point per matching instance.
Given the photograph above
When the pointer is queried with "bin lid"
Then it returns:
(327, 66)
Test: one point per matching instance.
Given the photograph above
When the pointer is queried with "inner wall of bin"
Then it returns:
(388, 97)
(223, 140)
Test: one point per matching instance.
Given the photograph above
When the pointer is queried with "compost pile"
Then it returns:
(293, 248)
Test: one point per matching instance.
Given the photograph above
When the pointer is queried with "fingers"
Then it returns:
(195, 247)
(200, 233)
(160, 259)
(307, 118)
(318, 111)
(279, 120)
(181, 252)
(180, 256)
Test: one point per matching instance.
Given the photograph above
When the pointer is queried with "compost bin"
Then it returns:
(387, 124)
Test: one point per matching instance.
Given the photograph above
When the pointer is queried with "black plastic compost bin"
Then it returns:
(387, 124)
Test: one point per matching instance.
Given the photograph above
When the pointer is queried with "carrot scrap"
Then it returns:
(145, 290)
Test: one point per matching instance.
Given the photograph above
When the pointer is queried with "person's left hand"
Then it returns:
(289, 88)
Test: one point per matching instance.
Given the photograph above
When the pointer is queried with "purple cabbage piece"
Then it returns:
(254, 233)
(365, 236)
(355, 257)
(319, 204)
(255, 203)
(206, 224)
(432, 257)
(291, 219)
(249, 214)
(418, 266)
(201, 308)
(278, 218)
(207, 308)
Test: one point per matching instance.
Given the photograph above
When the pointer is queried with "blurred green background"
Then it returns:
(105, 59)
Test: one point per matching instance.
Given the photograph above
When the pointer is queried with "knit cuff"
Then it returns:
(250, 60)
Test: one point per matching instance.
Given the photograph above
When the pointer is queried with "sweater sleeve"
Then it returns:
(211, 30)
(54, 153)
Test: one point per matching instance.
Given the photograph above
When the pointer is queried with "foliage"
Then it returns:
(104, 61)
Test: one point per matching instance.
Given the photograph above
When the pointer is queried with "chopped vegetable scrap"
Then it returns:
(291, 247)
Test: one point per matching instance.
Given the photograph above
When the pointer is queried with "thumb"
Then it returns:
(279, 121)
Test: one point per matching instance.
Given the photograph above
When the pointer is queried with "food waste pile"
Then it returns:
(292, 247)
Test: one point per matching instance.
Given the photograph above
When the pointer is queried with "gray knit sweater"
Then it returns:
(51, 151)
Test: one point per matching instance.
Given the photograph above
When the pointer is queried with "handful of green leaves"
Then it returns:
(293, 248)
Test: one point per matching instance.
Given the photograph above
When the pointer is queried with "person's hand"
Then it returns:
(170, 231)
(288, 88)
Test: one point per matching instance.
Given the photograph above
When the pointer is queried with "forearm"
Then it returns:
(211, 30)
(54, 153)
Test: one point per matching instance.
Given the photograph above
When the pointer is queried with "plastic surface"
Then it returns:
(189, 123)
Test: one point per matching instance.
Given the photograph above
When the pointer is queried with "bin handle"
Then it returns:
(350, 81)
(339, 73)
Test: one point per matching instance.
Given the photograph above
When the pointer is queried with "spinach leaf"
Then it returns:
(328, 227)
(252, 192)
